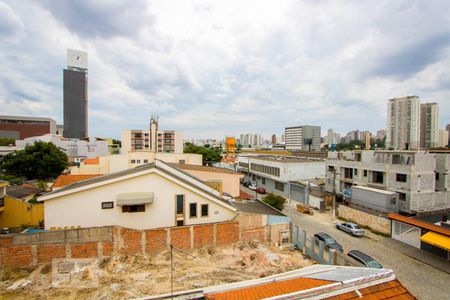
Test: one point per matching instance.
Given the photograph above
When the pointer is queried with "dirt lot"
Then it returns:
(138, 276)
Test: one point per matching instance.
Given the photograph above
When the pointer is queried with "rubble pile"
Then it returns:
(120, 277)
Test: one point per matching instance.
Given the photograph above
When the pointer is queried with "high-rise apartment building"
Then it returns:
(153, 139)
(302, 138)
(443, 138)
(403, 123)
(429, 125)
(76, 95)
(448, 130)
(381, 134)
(251, 139)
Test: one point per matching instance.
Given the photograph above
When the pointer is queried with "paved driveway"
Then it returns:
(422, 280)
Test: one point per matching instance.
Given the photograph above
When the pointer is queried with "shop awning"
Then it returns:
(134, 198)
(436, 239)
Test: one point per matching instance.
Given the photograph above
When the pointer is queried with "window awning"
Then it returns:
(134, 198)
(436, 239)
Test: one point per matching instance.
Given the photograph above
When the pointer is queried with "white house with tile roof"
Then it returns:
(150, 196)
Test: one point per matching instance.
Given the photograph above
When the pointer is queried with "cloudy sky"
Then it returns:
(215, 68)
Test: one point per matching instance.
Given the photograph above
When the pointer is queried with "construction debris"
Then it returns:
(120, 277)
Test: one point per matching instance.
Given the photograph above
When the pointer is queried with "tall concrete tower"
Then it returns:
(76, 95)
(429, 125)
(403, 123)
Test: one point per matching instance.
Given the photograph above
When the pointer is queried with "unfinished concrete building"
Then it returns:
(419, 178)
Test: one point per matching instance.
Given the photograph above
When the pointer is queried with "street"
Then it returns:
(422, 280)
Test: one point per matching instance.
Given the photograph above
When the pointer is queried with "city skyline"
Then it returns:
(213, 70)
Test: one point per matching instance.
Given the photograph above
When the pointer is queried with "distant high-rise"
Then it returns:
(76, 95)
(429, 125)
(250, 139)
(403, 123)
(303, 138)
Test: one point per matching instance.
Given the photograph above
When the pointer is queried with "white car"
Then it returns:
(351, 228)
(252, 186)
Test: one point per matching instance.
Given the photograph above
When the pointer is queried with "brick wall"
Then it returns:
(23, 250)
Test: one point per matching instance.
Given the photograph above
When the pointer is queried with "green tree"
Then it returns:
(209, 155)
(117, 142)
(275, 201)
(238, 148)
(38, 161)
(7, 141)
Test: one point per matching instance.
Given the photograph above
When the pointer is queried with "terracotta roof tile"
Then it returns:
(267, 290)
(244, 195)
(92, 161)
(64, 180)
(419, 223)
(388, 290)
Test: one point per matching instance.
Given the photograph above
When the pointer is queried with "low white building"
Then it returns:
(150, 196)
(74, 148)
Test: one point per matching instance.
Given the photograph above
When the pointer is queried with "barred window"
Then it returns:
(265, 169)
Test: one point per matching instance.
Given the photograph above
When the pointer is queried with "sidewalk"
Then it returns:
(420, 255)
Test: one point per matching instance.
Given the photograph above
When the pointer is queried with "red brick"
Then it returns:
(155, 241)
(16, 256)
(180, 237)
(203, 235)
(4, 241)
(132, 241)
(227, 233)
(46, 253)
(107, 248)
(85, 250)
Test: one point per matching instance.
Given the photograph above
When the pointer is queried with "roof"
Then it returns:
(256, 207)
(419, 223)
(92, 161)
(366, 188)
(437, 240)
(65, 180)
(2, 117)
(204, 169)
(22, 191)
(388, 290)
(269, 289)
(159, 165)
(289, 159)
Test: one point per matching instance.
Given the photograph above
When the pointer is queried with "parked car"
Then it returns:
(364, 259)
(329, 241)
(261, 190)
(252, 186)
(351, 228)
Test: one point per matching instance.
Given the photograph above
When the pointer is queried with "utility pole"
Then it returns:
(334, 193)
(171, 271)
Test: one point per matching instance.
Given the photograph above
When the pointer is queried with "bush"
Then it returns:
(275, 201)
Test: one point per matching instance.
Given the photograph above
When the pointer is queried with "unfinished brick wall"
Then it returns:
(23, 250)
(258, 233)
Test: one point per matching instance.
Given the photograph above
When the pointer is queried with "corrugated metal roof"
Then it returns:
(22, 191)
(349, 273)
(436, 239)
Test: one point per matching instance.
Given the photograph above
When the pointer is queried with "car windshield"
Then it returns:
(374, 264)
(356, 227)
(329, 241)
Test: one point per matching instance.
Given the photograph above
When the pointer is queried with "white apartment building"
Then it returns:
(74, 148)
(420, 178)
(302, 138)
(443, 138)
(429, 125)
(251, 139)
(153, 139)
(403, 123)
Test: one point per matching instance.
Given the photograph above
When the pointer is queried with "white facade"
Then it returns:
(298, 138)
(252, 139)
(74, 148)
(403, 123)
(165, 182)
(443, 138)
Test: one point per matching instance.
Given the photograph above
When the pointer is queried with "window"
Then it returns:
(330, 168)
(145, 161)
(393, 201)
(180, 204)
(401, 196)
(182, 161)
(377, 177)
(401, 177)
(138, 161)
(348, 173)
(365, 173)
(265, 169)
(180, 223)
(133, 161)
(192, 210)
(107, 205)
(205, 211)
(355, 171)
(263, 180)
(437, 176)
(279, 186)
(133, 208)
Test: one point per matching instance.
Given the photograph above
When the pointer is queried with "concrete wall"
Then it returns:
(85, 207)
(17, 213)
(230, 182)
(364, 219)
